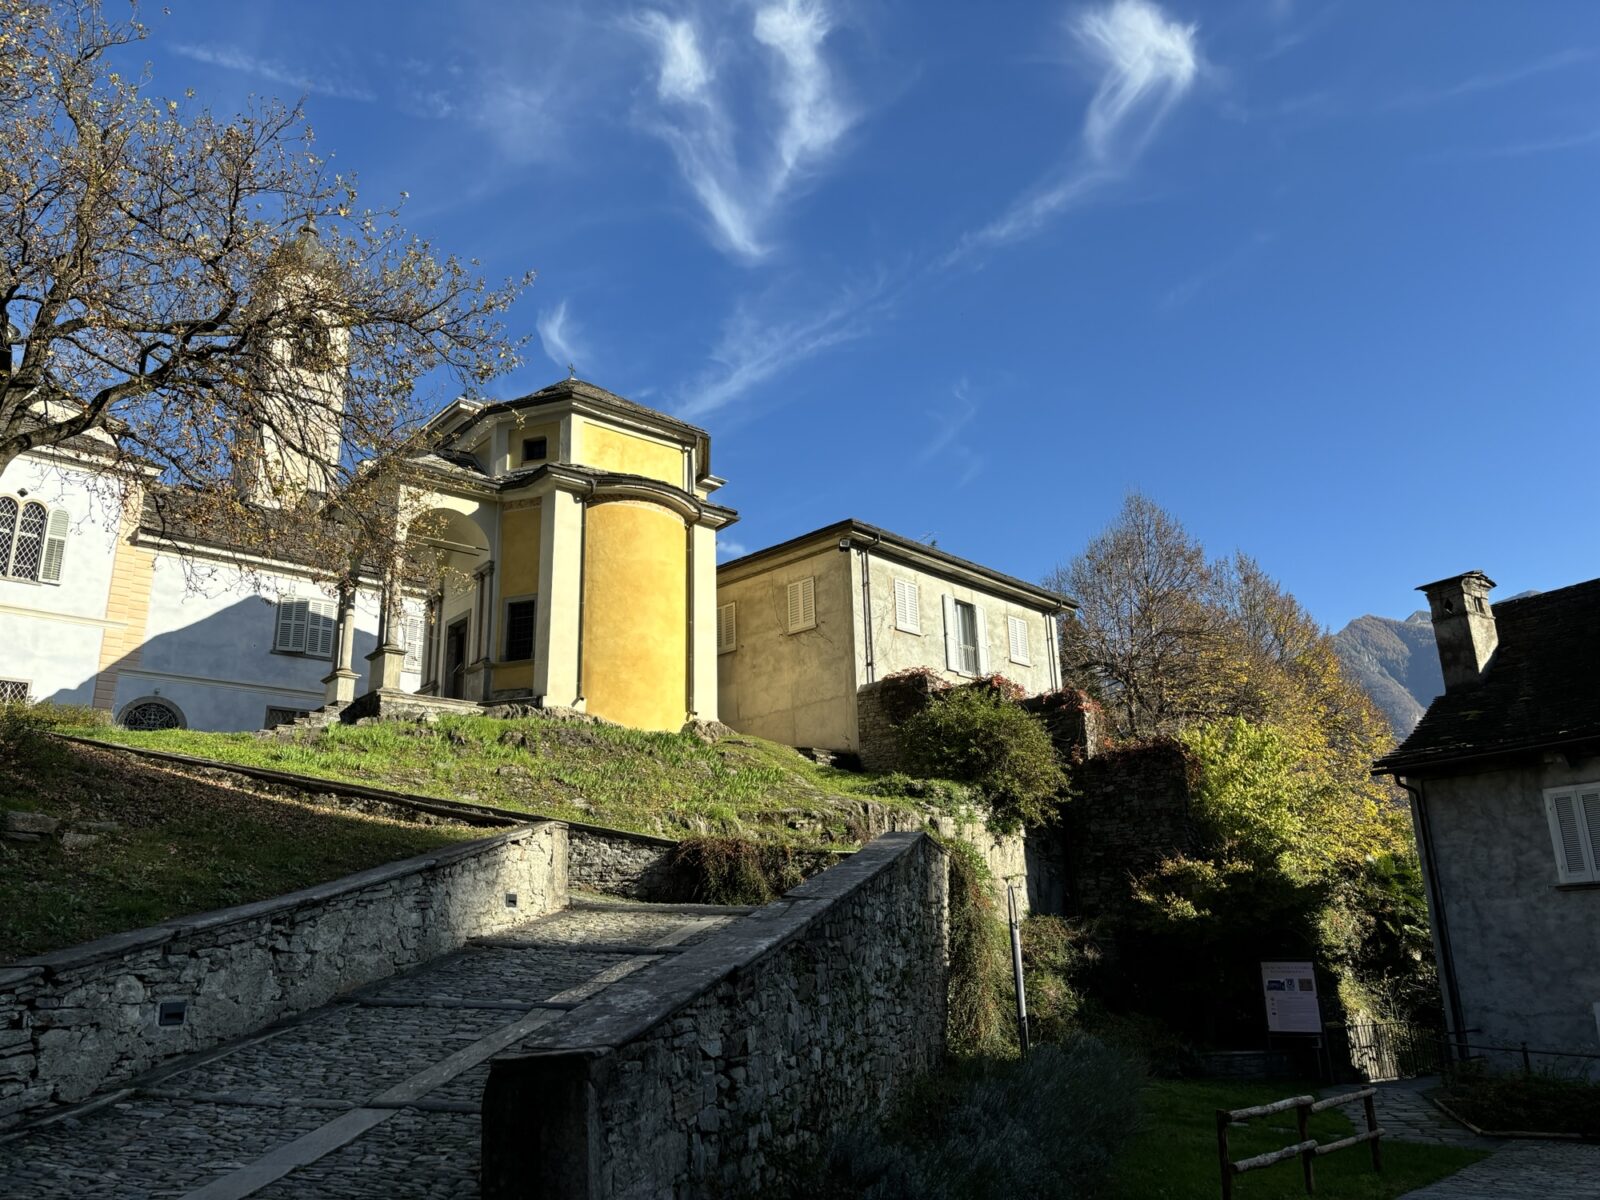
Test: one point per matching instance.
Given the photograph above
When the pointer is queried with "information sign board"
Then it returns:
(1291, 993)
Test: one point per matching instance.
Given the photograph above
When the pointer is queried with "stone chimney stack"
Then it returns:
(1463, 624)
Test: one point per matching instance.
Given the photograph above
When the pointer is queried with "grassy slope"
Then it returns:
(1174, 1156)
(660, 783)
(183, 846)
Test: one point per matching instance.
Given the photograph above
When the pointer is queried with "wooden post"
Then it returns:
(1223, 1121)
(1302, 1115)
(1372, 1127)
(1527, 1063)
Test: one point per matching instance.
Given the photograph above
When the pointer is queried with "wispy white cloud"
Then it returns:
(951, 423)
(1552, 145)
(1186, 290)
(1147, 62)
(742, 188)
(562, 339)
(1493, 80)
(728, 548)
(756, 346)
(234, 59)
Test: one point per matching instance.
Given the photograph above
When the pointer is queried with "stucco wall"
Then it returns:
(795, 688)
(635, 615)
(1526, 952)
(50, 634)
(895, 649)
(516, 578)
(611, 449)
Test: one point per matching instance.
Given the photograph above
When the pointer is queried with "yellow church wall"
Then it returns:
(517, 434)
(516, 577)
(635, 615)
(613, 450)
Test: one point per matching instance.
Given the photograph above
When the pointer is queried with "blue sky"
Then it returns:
(1322, 279)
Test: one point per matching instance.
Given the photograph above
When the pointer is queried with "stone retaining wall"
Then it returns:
(618, 863)
(78, 1019)
(749, 1047)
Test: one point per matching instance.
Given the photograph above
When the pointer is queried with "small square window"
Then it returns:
(535, 449)
(519, 629)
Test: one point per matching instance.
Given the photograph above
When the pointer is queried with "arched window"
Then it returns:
(152, 712)
(33, 540)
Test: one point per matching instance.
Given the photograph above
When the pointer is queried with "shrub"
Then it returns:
(1536, 1101)
(22, 732)
(979, 1017)
(1047, 1125)
(976, 734)
(731, 870)
(1056, 953)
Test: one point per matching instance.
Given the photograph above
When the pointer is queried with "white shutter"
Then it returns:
(291, 632)
(802, 603)
(411, 631)
(907, 606)
(1017, 637)
(1588, 806)
(55, 547)
(952, 635)
(727, 634)
(1573, 863)
(983, 639)
(322, 625)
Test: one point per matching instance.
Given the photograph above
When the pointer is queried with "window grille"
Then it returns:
(22, 535)
(283, 716)
(520, 629)
(15, 691)
(151, 714)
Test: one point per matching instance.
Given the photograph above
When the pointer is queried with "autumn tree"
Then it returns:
(191, 300)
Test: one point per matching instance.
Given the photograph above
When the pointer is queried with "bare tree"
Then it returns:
(198, 303)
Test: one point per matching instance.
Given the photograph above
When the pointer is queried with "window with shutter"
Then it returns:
(411, 632)
(290, 637)
(322, 628)
(1017, 639)
(55, 547)
(802, 604)
(1574, 815)
(727, 634)
(29, 548)
(907, 606)
(980, 621)
(961, 637)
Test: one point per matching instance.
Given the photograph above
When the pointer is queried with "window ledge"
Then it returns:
(1590, 885)
(303, 654)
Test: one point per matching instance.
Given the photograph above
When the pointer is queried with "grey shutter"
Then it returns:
(952, 635)
(291, 631)
(322, 623)
(1566, 832)
(55, 547)
(982, 621)
(1588, 806)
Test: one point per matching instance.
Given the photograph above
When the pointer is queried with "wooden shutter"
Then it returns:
(411, 631)
(1017, 638)
(322, 625)
(291, 632)
(952, 635)
(1575, 849)
(727, 633)
(802, 601)
(907, 606)
(982, 621)
(55, 547)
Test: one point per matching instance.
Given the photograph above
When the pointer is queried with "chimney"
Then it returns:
(1463, 624)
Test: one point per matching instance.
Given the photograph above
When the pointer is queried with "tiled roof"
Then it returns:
(1541, 688)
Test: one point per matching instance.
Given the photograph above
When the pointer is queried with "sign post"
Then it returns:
(1290, 990)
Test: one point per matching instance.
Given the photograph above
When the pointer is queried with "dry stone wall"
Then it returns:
(76, 1020)
(752, 1045)
(618, 863)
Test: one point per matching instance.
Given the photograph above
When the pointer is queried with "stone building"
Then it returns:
(802, 626)
(577, 529)
(1504, 777)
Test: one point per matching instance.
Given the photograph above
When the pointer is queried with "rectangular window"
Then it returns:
(1574, 814)
(283, 716)
(1017, 639)
(519, 629)
(411, 638)
(802, 597)
(727, 634)
(306, 627)
(967, 637)
(14, 691)
(907, 606)
(535, 449)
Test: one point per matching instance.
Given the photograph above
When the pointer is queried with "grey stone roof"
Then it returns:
(1541, 689)
(579, 389)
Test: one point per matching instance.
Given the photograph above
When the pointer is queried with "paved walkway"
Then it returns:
(1514, 1170)
(375, 1096)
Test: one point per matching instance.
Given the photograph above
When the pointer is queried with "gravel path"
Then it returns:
(375, 1096)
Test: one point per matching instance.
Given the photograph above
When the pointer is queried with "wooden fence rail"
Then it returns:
(1307, 1150)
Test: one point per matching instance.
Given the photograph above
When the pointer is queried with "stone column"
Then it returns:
(339, 685)
(558, 620)
(387, 661)
(478, 678)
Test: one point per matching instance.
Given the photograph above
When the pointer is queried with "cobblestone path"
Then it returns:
(374, 1096)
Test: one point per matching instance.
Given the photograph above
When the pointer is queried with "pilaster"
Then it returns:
(558, 632)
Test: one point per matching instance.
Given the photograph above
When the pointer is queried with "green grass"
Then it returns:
(181, 845)
(669, 784)
(1174, 1156)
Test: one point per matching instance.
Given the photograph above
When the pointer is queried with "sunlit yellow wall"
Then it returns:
(517, 575)
(612, 450)
(518, 434)
(635, 615)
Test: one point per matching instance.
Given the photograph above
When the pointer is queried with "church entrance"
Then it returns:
(455, 659)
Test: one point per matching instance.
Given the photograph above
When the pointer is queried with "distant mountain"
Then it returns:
(1396, 662)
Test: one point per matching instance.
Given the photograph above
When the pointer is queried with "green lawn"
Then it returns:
(669, 784)
(180, 845)
(1174, 1155)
